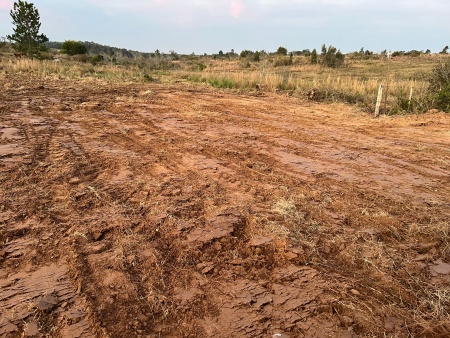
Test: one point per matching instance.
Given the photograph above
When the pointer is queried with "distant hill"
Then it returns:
(96, 48)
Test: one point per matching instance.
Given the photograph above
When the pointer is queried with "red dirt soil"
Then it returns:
(132, 210)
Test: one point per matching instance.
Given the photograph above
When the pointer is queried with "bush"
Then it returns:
(443, 99)
(97, 59)
(332, 57)
(440, 86)
(221, 83)
(414, 53)
(282, 51)
(196, 66)
(286, 61)
(246, 53)
(149, 78)
(71, 47)
(81, 58)
(314, 57)
(398, 53)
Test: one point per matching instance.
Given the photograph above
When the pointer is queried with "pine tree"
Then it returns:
(26, 37)
(314, 57)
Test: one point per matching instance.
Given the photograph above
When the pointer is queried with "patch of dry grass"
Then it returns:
(356, 83)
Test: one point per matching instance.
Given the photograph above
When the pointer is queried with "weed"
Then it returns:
(149, 78)
(440, 86)
(221, 83)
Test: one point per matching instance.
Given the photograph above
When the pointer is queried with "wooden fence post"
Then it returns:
(379, 98)
(410, 98)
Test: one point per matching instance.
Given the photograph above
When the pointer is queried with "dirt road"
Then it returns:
(156, 210)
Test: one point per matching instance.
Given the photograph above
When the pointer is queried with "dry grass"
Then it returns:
(74, 70)
(356, 83)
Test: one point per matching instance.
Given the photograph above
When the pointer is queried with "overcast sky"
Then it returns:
(207, 26)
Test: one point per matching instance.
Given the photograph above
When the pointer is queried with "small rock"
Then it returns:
(355, 292)
(280, 335)
(258, 241)
(440, 268)
(31, 329)
(205, 267)
(347, 321)
(291, 255)
(47, 302)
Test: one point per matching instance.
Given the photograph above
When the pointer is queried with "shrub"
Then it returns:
(221, 83)
(443, 99)
(97, 59)
(257, 56)
(285, 61)
(196, 66)
(246, 53)
(398, 53)
(149, 78)
(314, 57)
(440, 86)
(332, 57)
(282, 51)
(81, 58)
(71, 47)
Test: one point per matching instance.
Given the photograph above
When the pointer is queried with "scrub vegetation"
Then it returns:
(412, 84)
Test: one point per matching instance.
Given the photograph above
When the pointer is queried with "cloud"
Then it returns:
(6, 4)
(171, 11)
(237, 8)
(198, 25)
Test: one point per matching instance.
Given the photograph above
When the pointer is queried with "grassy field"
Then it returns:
(357, 82)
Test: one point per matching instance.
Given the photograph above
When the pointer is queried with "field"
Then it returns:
(176, 209)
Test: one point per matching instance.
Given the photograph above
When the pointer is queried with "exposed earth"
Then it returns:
(131, 210)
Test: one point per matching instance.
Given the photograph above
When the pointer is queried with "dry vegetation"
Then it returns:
(357, 82)
(136, 201)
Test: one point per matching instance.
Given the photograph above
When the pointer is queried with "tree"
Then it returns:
(314, 57)
(245, 53)
(281, 51)
(445, 50)
(257, 56)
(73, 47)
(26, 37)
(332, 57)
